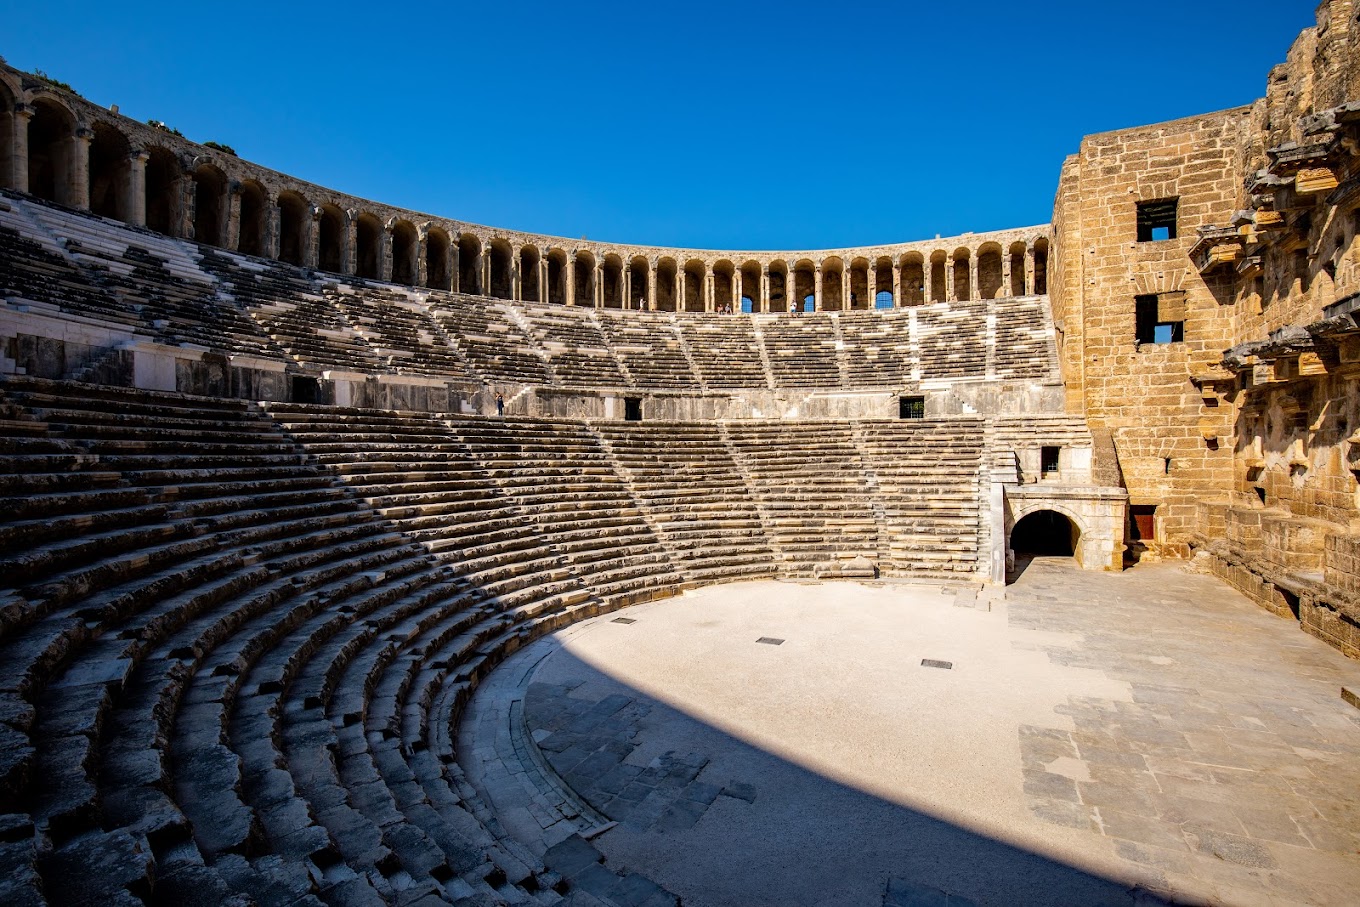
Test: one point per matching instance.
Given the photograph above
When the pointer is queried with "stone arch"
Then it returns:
(405, 251)
(804, 280)
(749, 290)
(210, 204)
(557, 276)
(913, 279)
(960, 261)
(695, 272)
(528, 274)
(51, 150)
(110, 172)
(1045, 530)
(938, 267)
(251, 233)
(880, 282)
(861, 284)
(611, 272)
(832, 297)
(1040, 266)
(469, 264)
(330, 247)
(501, 259)
(293, 213)
(989, 270)
(583, 278)
(368, 231)
(667, 273)
(781, 287)
(437, 248)
(162, 190)
(724, 285)
(1016, 252)
(639, 283)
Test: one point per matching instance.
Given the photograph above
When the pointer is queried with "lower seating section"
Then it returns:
(809, 483)
(570, 495)
(649, 347)
(691, 491)
(925, 477)
(218, 668)
(802, 350)
(234, 644)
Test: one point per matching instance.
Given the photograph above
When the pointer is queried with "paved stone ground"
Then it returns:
(1099, 739)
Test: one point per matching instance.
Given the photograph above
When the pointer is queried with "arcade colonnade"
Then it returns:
(61, 148)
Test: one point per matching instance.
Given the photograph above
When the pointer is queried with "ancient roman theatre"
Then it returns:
(351, 555)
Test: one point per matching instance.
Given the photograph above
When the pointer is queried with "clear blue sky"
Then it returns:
(734, 125)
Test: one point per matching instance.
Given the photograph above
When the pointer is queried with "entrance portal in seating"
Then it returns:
(1045, 532)
(306, 390)
(632, 409)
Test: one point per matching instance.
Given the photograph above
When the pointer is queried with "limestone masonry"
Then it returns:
(286, 473)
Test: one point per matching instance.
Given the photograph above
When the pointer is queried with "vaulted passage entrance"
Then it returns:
(1045, 532)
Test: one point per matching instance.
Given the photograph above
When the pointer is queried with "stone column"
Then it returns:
(897, 284)
(455, 266)
(421, 271)
(949, 280)
(23, 113)
(763, 302)
(626, 288)
(1005, 272)
(847, 282)
(311, 241)
(818, 301)
(974, 291)
(270, 240)
(710, 291)
(681, 279)
(569, 277)
(134, 204)
(485, 270)
(597, 275)
(385, 253)
(516, 278)
(231, 235)
(79, 176)
(349, 245)
(654, 273)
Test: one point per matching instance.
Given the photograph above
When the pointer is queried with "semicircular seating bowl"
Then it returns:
(236, 637)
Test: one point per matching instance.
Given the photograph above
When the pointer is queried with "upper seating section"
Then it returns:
(131, 280)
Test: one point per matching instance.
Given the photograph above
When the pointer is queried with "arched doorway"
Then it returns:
(1045, 533)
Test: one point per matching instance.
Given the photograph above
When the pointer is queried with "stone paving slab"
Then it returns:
(1135, 738)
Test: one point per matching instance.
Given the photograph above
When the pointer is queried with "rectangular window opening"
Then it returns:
(911, 407)
(1157, 220)
(632, 409)
(1048, 460)
(1160, 318)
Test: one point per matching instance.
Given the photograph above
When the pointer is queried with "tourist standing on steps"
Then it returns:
(500, 404)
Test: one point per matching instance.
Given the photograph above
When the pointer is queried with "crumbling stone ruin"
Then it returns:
(264, 528)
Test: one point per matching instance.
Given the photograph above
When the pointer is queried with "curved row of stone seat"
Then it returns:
(166, 685)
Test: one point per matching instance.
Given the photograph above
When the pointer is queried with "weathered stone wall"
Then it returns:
(1143, 392)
